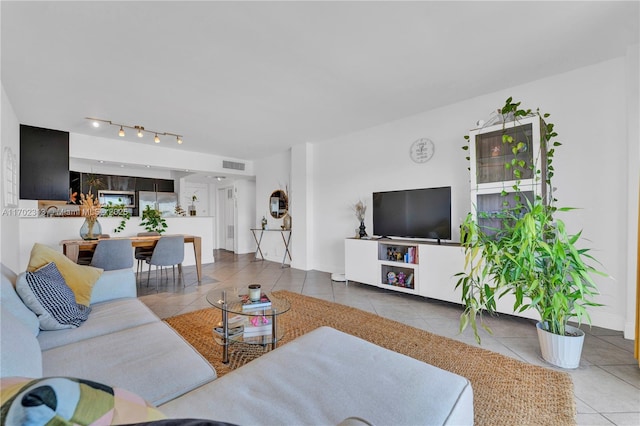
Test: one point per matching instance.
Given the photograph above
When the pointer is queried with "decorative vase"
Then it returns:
(561, 351)
(90, 229)
(192, 210)
(286, 221)
(363, 233)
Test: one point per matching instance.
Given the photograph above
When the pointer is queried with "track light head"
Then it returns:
(156, 139)
(121, 132)
(179, 140)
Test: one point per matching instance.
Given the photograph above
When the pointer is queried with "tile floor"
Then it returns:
(607, 383)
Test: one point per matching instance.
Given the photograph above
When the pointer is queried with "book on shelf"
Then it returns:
(235, 325)
(249, 305)
(233, 332)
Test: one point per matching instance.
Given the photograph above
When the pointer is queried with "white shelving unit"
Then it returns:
(490, 177)
(431, 269)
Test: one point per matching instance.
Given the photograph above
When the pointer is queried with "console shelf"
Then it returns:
(415, 267)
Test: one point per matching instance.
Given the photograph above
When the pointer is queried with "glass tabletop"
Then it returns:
(231, 300)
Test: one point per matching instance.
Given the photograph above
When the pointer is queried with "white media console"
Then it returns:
(432, 269)
(430, 272)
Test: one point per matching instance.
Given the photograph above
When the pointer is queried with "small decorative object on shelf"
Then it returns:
(363, 232)
(258, 325)
(247, 305)
(264, 223)
(286, 221)
(179, 211)
(360, 208)
(192, 207)
(391, 278)
(254, 292)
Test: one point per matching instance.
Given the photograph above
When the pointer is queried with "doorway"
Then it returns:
(226, 219)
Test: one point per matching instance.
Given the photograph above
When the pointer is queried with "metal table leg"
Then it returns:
(258, 241)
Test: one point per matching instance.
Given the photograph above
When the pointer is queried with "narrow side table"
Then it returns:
(286, 239)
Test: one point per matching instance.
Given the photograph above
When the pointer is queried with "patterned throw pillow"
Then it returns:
(70, 401)
(80, 278)
(50, 298)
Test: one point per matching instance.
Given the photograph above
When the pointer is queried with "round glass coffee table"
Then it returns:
(250, 323)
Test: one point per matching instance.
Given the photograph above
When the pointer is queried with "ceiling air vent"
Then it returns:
(232, 165)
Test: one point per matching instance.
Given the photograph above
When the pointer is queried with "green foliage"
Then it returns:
(531, 256)
(153, 221)
(117, 210)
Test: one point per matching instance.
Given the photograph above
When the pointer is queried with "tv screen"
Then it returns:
(414, 213)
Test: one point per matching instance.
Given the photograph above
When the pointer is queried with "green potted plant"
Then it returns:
(152, 220)
(117, 210)
(531, 256)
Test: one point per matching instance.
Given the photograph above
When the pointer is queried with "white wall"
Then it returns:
(272, 173)
(9, 229)
(588, 108)
(301, 194)
(245, 199)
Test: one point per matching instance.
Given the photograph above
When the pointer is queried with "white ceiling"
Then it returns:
(249, 79)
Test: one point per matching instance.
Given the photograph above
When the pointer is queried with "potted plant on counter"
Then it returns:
(153, 221)
(117, 210)
(531, 257)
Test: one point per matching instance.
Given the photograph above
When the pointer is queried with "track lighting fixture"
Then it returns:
(140, 130)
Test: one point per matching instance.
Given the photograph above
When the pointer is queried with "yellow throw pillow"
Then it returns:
(79, 278)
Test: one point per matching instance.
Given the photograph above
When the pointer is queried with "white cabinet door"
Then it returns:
(438, 265)
(361, 261)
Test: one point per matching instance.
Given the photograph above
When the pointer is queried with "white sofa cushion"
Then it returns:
(105, 318)
(113, 285)
(325, 377)
(10, 301)
(151, 360)
(20, 355)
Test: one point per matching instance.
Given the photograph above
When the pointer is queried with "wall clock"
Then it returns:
(422, 150)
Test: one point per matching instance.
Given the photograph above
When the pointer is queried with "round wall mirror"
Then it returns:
(278, 204)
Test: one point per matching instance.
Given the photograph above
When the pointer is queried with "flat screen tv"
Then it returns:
(415, 213)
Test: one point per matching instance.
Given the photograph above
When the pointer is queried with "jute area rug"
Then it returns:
(506, 391)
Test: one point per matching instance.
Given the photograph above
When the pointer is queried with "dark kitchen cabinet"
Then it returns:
(156, 185)
(44, 164)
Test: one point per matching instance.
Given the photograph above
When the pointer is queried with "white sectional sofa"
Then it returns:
(321, 378)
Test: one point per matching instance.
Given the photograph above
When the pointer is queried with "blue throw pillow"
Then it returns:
(46, 293)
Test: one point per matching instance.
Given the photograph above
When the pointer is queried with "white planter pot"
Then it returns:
(561, 351)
